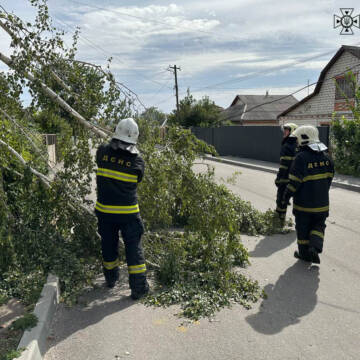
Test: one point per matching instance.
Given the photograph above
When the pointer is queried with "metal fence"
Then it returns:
(253, 142)
(50, 142)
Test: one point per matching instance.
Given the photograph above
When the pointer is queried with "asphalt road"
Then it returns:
(310, 313)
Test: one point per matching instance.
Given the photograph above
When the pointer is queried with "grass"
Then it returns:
(10, 338)
(3, 299)
(9, 341)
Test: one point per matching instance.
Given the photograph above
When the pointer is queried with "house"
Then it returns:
(257, 109)
(330, 92)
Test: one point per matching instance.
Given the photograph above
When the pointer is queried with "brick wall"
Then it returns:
(320, 107)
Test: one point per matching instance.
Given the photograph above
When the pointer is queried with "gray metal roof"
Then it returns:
(258, 107)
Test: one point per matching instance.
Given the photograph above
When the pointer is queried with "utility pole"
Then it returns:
(175, 68)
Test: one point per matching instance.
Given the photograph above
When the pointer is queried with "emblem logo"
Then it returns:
(346, 21)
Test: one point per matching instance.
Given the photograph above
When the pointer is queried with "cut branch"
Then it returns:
(57, 99)
(42, 177)
(27, 136)
(45, 180)
(98, 67)
(21, 43)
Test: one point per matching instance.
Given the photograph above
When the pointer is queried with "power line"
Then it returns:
(162, 101)
(99, 67)
(161, 87)
(297, 62)
(99, 48)
(255, 74)
(303, 88)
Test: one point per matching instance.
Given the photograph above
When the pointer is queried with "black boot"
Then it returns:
(302, 257)
(111, 276)
(138, 293)
(314, 255)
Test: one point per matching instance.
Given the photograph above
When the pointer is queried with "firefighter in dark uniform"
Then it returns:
(120, 169)
(287, 155)
(310, 179)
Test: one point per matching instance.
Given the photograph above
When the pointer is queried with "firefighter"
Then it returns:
(287, 155)
(310, 179)
(120, 169)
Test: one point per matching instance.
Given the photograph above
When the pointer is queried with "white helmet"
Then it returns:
(291, 126)
(127, 131)
(306, 135)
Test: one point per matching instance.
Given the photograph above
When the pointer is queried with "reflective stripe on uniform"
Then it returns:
(318, 176)
(303, 242)
(311, 210)
(287, 157)
(291, 188)
(109, 265)
(281, 209)
(117, 175)
(293, 177)
(116, 209)
(317, 233)
(283, 167)
(137, 269)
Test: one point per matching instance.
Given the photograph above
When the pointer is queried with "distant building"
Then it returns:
(257, 109)
(330, 92)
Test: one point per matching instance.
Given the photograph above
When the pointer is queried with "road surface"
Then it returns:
(310, 313)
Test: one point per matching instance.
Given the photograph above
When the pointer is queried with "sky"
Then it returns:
(223, 47)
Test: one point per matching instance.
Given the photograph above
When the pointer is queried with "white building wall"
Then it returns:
(320, 107)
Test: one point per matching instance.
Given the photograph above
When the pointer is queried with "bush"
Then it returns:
(345, 135)
(346, 145)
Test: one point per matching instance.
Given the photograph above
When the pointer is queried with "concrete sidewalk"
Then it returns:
(342, 181)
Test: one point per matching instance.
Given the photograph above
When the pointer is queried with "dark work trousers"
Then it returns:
(131, 232)
(280, 209)
(310, 230)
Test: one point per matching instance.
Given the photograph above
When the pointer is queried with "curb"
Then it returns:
(335, 183)
(241, 164)
(34, 340)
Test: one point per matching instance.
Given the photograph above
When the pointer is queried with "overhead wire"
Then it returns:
(117, 83)
(303, 88)
(296, 62)
(96, 47)
(265, 71)
(99, 48)
(282, 67)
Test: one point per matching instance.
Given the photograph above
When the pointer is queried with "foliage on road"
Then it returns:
(199, 267)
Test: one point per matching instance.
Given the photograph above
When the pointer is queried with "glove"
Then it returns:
(285, 198)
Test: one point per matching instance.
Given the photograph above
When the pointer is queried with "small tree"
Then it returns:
(152, 114)
(345, 135)
(192, 112)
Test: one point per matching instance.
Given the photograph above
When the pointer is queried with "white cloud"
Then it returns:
(213, 41)
(125, 30)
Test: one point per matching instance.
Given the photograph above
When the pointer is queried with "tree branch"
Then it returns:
(42, 177)
(19, 40)
(45, 180)
(27, 136)
(57, 99)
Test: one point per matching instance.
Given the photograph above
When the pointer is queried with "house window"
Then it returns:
(344, 89)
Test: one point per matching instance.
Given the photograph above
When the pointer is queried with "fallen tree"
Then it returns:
(47, 224)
